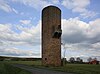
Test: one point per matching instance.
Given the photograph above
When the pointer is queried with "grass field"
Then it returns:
(79, 68)
(72, 68)
(6, 68)
(30, 63)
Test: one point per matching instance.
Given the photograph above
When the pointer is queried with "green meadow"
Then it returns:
(6, 68)
(79, 68)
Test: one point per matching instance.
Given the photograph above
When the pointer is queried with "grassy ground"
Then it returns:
(31, 63)
(6, 68)
(79, 68)
(72, 68)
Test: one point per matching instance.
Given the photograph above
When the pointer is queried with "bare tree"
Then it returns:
(72, 59)
(95, 58)
(78, 59)
(89, 59)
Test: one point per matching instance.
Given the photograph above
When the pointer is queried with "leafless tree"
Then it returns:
(89, 59)
(72, 59)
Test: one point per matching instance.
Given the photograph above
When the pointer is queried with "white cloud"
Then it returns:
(87, 14)
(14, 10)
(27, 36)
(76, 5)
(96, 45)
(4, 27)
(55, 1)
(74, 25)
(26, 22)
(79, 6)
(17, 52)
(81, 38)
(94, 29)
(6, 7)
(79, 30)
(37, 4)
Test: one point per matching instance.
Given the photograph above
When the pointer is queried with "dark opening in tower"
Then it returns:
(57, 32)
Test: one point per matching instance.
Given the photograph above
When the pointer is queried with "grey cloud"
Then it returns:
(82, 32)
(74, 38)
(82, 39)
(12, 51)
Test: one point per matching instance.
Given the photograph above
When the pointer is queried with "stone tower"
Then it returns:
(51, 36)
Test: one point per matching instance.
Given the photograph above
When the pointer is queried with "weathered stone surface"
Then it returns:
(51, 47)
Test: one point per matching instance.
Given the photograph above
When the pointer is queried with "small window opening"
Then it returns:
(45, 58)
(57, 32)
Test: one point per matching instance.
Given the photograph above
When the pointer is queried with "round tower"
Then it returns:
(51, 36)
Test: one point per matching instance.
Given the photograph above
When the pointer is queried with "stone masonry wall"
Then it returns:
(51, 47)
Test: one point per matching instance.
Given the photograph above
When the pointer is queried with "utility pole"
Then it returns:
(64, 54)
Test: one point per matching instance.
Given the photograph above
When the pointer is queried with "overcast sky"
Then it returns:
(20, 27)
